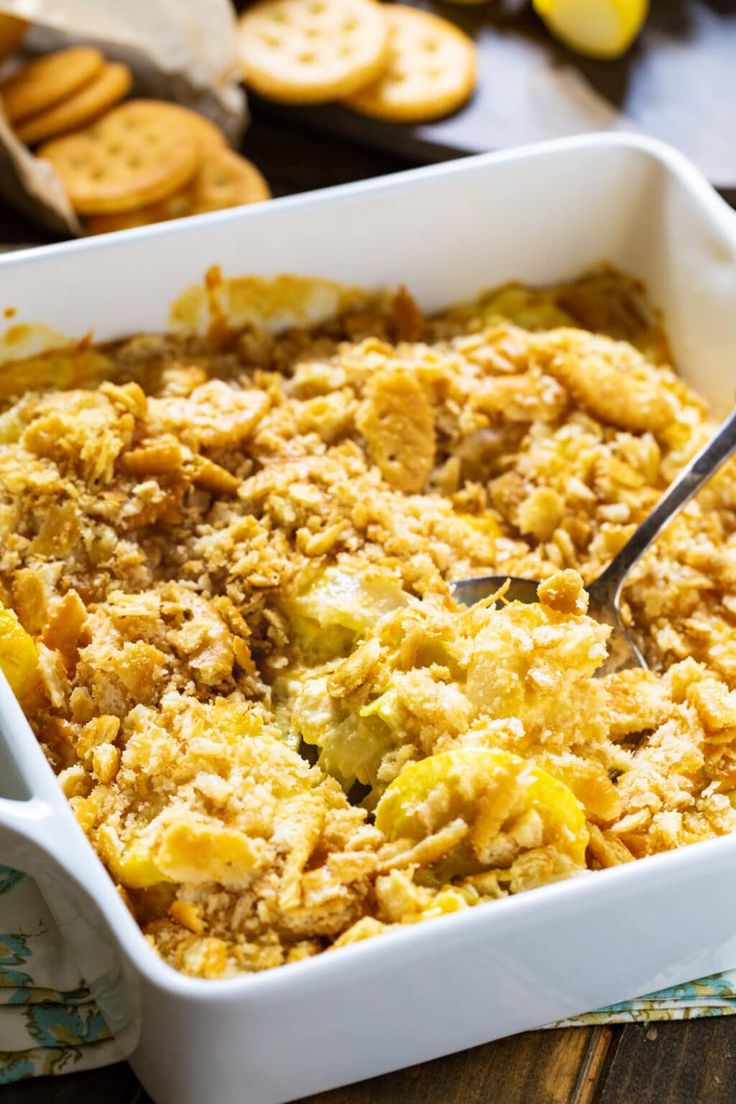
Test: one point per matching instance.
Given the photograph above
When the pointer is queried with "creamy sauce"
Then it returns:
(225, 303)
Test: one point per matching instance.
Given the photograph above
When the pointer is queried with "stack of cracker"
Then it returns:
(122, 165)
(388, 61)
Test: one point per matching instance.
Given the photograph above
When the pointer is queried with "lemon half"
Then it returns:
(595, 28)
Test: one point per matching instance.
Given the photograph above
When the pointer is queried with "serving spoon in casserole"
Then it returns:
(605, 591)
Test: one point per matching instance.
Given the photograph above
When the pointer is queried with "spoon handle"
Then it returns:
(701, 468)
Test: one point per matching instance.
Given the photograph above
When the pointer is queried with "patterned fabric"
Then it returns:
(712, 996)
(50, 1024)
(48, 1021)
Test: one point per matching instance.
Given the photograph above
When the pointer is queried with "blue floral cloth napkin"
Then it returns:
(50, 1024)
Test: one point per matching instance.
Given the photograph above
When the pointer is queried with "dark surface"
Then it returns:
(667, 1063)
(292, 160)
(692, 1062)
(678, 84)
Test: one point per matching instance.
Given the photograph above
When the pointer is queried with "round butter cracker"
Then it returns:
(227, 180)
(431, 71)
(312, 51)
(48, 79)
(79, 109)
(209, 137)
(224, 180)
(176, 205)
(135, 155)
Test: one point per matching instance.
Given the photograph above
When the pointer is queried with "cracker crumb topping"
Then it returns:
(224, 576)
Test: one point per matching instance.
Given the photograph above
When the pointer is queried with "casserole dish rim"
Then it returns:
(39, 813)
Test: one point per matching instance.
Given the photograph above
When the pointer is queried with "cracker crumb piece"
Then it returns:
(64, 629)
(610, 380)
(540, 513)
(564, 593)
(407, 317)
(606, 848)
(156, 458)
(716, 706)
(365, 928)
(188, 915)
(397, 422)
(206, 958)
(105, 763)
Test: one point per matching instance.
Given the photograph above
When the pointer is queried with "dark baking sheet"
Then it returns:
(678, 84)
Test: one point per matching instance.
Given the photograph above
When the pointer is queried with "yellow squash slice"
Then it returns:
(496, 793)
(18, 655)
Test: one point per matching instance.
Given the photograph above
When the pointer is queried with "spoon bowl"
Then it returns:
(604, 593)
(623, 650)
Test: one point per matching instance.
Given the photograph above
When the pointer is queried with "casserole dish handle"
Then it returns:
(33, 836)
(26, 835)
(35, 841)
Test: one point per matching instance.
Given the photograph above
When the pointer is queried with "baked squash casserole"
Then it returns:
(224, 572)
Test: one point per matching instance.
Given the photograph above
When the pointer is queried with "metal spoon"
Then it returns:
(605, 591)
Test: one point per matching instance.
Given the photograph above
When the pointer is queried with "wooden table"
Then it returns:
(668, 1063)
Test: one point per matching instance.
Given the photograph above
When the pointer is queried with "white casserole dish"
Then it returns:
(539, 214)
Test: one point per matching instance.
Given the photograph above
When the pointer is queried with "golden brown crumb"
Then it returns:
(230, 565)
(564, 593)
